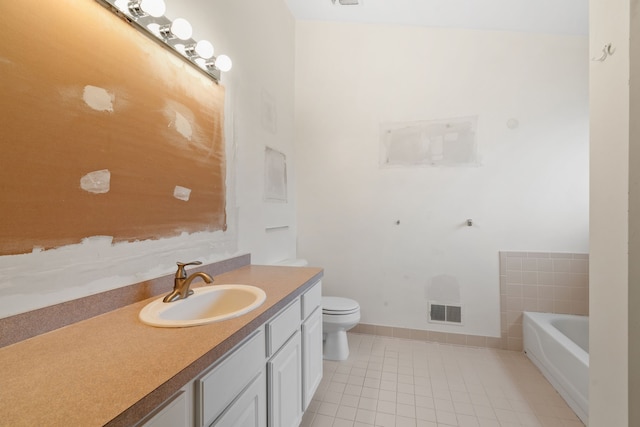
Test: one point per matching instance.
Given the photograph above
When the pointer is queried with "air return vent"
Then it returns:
(443, 313)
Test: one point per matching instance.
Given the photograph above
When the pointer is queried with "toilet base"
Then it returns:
(336, 345)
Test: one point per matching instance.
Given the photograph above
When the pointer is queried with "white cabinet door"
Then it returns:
(216, 389)
(249, 409)
(285, 384)
(173, 414)
(311, 356)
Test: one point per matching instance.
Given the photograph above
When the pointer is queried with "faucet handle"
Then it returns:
(181, 274)
(182, 264)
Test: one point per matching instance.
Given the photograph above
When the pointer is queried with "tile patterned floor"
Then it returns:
(392, 382)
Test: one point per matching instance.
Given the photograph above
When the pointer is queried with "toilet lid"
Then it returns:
(338, 305)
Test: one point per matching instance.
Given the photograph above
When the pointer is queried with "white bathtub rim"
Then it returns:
(567, 342)
(539, 323)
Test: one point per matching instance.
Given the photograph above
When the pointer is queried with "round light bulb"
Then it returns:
(181, 29)
(223, 63)
(122, 5)
(155, 8)
(180, 48)
(154, 28)
(204, 49)
(202, 63)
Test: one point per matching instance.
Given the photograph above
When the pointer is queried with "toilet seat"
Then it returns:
(339, 306)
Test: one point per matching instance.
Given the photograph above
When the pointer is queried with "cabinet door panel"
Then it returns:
(217, 388)
(249, 409)
(174, 414)
(311, 356)
(285, 384)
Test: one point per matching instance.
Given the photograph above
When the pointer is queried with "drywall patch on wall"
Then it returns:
(98, 98)
(275, 175)
(448, 142)
(183, 126)
(180, 118)
(182, 193)
(99, 264)
(97, 182)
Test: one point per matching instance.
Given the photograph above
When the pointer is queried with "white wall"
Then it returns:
(609, 228)
(259, 37)
(530, 191)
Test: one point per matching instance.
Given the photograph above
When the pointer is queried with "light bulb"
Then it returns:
(122, 5)
(202, 63)
(181, 29)
(155, 8)
(223, 63)
(154, 28)
(204, 49)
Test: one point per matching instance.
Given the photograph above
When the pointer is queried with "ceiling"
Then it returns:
(543, 16)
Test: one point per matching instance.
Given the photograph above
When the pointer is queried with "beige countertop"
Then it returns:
(113, 369)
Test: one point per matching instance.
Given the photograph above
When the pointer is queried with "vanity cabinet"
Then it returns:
(295, 371)
(267, 380)
(311, 343)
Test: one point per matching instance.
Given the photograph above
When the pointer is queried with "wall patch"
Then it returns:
(182, 193)
(97, 182)
(448, 142)
(98, 98)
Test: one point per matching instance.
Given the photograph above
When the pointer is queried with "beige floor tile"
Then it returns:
(396, 382)
(338, 422)
(346, 412)
(349, 400)
(322, 421)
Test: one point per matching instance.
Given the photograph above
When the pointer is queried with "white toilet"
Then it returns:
(338, 316)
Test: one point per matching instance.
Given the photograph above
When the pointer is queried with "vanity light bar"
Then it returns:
(148, 16)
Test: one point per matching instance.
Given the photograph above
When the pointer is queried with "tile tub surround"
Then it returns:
(399, 382)
(547, 282)
(20, 327)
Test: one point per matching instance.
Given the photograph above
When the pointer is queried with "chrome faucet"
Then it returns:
(181, 282)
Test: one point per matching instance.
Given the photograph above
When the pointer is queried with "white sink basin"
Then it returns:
(207, 305)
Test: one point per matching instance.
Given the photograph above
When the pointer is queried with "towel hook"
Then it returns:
(607, 51)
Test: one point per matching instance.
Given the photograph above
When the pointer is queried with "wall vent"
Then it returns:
(443, 313)
(347, 2)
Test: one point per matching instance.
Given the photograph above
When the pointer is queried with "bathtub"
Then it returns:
(558, 344)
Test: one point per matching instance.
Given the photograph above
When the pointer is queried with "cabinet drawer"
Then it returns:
(217, 389)
(283, 326)
(311, 299)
